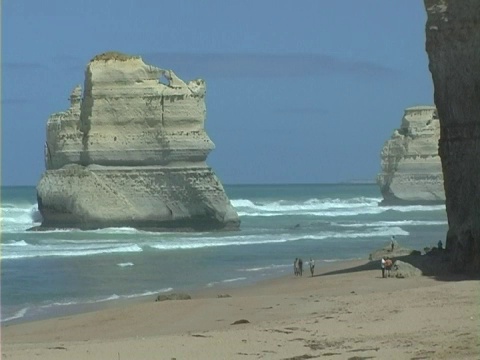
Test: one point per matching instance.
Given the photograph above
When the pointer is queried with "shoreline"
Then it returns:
(345, 310)
(201, 291)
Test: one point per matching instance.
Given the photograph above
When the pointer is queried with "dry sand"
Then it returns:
(346, 312)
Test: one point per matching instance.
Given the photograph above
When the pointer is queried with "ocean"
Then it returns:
(54, 273)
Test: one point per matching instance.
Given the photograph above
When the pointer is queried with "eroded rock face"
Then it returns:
(131, 152)
(453, 47)
(403, 270)
(411, 167)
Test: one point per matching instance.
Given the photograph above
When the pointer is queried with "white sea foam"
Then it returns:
(8, 206)
(148, 293)
(19, 314)
(233, 280)
(375, 232)
(118, 230)
(52, 231)
(125, 264)
(263, 268)
(63, 303)
(410, 208)
(19, 217)
(198, 243)
(307, 205)
(107, 298)
(80, 242)
(393, 223)
(337, 260)
(327, 207)
(369, 211)
(21, 249)
(36, 215)
(213, 283)
(21, 212)
(240, 203)
(275, 238)
(16, 243)
(49, 250)
(314, 207)
(70, 248)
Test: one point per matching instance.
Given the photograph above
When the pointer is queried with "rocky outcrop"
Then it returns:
(386, 252)
(453, 47)
(411, 167)
(403, 270)
(173, 296)
(131, 152)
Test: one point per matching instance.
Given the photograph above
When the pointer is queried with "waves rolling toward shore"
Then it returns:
(46, 273)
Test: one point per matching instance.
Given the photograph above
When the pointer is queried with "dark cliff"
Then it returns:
(453, 47)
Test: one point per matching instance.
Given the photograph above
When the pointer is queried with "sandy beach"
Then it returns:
(346, 311)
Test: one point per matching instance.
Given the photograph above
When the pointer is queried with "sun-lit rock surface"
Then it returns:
(411, 167)
(131, 152)
(453, 47)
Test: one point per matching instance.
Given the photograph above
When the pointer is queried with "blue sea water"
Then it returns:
(45, 274)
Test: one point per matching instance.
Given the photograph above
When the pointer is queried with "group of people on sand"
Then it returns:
(298, 266)
(387, 263)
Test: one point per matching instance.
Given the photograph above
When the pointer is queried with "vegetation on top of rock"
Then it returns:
(114, 55)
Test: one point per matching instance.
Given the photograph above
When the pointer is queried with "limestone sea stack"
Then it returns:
(131, 151)
(453, 47)
(411, 167)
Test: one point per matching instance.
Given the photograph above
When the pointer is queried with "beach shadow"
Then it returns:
(372, 265)
(435, 266)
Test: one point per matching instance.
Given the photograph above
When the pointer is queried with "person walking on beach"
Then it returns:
(392, 243)
(295, 267)
(312, 266)
(383, 267)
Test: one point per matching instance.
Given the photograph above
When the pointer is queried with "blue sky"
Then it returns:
(297, 92)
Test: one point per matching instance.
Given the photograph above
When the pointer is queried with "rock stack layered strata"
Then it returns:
(131, 152)
(453, 47)
(411, 167)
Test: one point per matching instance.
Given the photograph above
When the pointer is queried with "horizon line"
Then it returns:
(349, 182)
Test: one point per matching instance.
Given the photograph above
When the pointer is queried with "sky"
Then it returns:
(297, 91)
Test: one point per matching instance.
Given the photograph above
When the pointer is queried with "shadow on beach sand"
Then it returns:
(435, 266)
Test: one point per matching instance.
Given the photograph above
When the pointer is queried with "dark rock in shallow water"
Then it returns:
(173, 296)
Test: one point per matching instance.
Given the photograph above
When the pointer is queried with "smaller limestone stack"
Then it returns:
(131, 151)
(411, 167)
